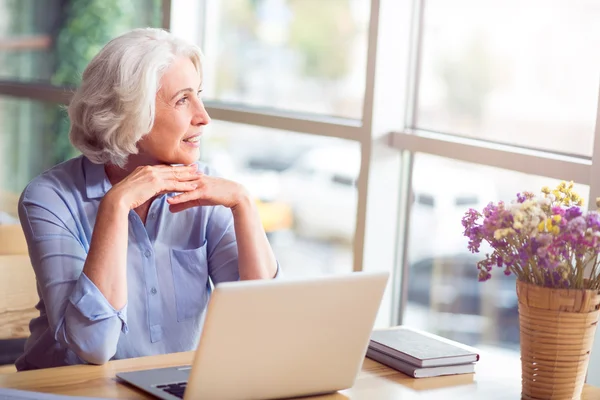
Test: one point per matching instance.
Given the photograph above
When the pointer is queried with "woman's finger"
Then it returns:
(183, 197)
(175, 208)
(176, 186)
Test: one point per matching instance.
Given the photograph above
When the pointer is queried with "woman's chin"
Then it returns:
(189, 157)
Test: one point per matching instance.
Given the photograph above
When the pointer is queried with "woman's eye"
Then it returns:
(199, 93)
(182, 101)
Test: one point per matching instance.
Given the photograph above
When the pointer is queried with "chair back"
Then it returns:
(18, 296)
(12, 240)
(9, 203)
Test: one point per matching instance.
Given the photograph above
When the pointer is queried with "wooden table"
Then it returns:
(375, 381)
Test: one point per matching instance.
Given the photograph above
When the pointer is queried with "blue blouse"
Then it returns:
(169, 262)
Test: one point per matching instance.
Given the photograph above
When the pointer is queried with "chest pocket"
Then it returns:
(190, 280)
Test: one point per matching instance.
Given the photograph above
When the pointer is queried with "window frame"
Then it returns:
(376, 243)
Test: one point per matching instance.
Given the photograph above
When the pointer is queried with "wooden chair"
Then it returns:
(9, 202)
(12, 240)
(18, 294)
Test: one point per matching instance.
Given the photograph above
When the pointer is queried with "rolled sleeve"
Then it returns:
(78, 315)
(91, 303)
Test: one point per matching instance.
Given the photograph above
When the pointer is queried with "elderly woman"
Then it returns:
(124, 238)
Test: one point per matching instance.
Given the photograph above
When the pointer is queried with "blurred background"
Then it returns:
(516, 76)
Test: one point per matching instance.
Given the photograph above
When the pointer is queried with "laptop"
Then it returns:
(281, 338)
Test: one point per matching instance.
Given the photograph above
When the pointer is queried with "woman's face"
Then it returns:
(179, 120)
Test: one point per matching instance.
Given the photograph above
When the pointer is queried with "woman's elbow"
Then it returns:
(92, 349)
(97, 356)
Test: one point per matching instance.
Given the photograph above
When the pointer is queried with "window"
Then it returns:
(299, 55)
(303, 186)
(52, 41)
(444, 295)
(520, 73)
(33, 138)
(523, 73)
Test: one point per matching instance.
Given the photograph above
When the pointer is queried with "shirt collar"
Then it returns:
(96, 181)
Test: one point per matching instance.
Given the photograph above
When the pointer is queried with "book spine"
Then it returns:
(396, 354)
(388, 361)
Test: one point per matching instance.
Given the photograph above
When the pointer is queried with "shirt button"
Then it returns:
(153, 290)
(147, 253)
(152, 215)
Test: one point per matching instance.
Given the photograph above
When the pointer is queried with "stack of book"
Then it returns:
(421, 354)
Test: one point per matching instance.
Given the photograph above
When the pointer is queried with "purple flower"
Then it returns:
(522, 197)
(558, 210)
(593, 221)
(483, 275)
(547, 237)
(577, 225)
(573, 212)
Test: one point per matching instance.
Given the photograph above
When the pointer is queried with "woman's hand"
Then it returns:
(148, 181)
(255, 257)
(210, 191)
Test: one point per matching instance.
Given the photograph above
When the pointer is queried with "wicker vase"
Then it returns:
(557, 332)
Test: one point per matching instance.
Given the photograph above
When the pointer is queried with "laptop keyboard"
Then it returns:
(176, 389)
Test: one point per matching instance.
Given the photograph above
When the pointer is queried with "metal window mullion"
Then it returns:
(365, 135)
(401, 277)
(414, 72)
(594, 176)
(528, 162)
(166, 14)
(295, 122)
(401, 265)
(36, 91)
(595, 168)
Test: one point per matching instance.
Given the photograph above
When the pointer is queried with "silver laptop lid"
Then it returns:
(283, 338)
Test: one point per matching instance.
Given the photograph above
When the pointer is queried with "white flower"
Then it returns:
(517, 225)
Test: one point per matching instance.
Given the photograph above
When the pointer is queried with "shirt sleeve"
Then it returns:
(222, 247)
(79, 315)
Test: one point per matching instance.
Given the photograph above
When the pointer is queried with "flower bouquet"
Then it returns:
(551, 244)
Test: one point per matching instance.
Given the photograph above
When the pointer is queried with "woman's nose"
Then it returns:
(201, 117)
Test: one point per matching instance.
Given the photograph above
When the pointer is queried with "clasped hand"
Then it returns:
(194, 188)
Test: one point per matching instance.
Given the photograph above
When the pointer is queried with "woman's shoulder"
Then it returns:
(63, 177)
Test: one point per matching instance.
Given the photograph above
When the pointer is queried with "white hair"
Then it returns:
(115, 105)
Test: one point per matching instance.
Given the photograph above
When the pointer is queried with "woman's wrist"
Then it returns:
(243, 202)
(114, 203)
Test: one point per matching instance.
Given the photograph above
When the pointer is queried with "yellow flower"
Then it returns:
(502, 233)
(546, 190)
(556, 219)
(543, 225)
